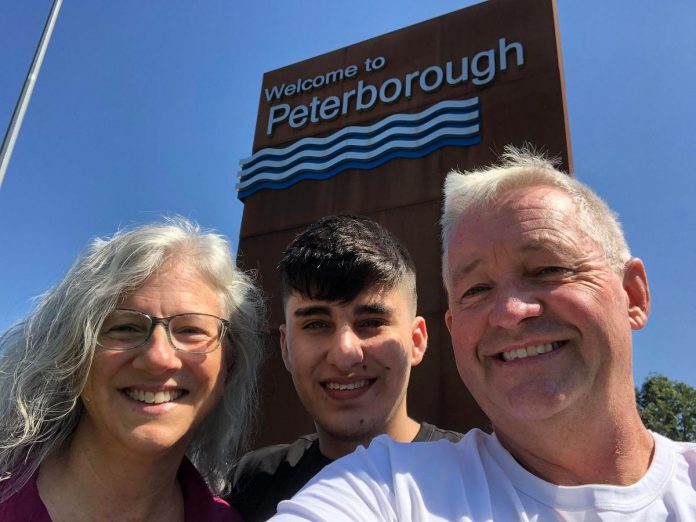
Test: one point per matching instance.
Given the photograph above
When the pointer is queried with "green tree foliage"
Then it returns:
(668, 407)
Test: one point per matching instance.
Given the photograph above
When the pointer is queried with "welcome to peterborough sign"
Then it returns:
(407, 135)
(481, 69)
(373, 129)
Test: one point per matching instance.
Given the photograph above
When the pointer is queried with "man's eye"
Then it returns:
(372, 323)
(476, 290)
(314, 325)
(550, 270)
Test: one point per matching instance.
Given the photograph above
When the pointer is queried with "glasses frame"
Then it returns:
(164, 321)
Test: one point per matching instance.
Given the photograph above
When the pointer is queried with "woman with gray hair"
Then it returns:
(107, 415)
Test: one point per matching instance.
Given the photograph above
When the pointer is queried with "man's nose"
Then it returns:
(513, 304)
(346, 350)
(158, 355)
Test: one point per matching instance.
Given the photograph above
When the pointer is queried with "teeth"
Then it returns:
(529, 351)
(351, 386)
(154, 397)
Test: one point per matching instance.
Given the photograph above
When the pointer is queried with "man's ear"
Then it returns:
(635, 284)
(284, 348)
(419, 336)
(448, 320)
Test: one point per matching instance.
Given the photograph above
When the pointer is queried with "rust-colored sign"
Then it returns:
(372, 129)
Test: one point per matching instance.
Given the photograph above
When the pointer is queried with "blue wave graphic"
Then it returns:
(451, 122)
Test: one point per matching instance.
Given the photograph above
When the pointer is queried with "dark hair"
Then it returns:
(339, 256)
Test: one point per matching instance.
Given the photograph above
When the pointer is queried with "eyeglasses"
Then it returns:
(124, 330)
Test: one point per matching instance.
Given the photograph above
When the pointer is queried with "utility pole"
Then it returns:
(18, 115)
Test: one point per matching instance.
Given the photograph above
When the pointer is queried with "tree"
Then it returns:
(668, 407)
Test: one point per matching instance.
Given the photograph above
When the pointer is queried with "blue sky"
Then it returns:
(144, 109)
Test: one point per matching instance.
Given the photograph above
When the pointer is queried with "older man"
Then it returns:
(543, 296)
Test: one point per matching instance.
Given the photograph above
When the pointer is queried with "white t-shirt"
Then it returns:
(477, 479)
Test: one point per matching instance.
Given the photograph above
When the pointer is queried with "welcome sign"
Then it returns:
(366, 147)
(372, 129)
(363, 98)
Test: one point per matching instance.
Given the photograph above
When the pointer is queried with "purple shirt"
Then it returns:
(199, 502)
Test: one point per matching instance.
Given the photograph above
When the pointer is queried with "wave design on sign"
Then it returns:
(451, 122)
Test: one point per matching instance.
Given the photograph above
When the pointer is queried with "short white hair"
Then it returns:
(521, 168)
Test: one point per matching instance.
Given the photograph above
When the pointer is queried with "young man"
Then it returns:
(543, 297)
(350, 338)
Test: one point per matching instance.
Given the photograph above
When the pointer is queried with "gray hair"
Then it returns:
(521, 168)
(45, 359)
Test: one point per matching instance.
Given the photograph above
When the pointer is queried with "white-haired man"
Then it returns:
(543, 296)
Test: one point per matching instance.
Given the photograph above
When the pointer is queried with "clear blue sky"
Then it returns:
(145, 108)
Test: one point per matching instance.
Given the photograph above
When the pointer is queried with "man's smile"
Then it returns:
(348, 386)
(530, 351)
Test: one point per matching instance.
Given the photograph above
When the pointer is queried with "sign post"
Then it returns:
(18, 115)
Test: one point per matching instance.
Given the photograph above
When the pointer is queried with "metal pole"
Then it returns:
(18, 115)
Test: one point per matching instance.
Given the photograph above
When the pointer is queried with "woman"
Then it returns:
(139, 363)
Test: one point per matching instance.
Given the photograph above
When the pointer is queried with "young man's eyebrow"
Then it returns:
(376, 308)
(305, 311)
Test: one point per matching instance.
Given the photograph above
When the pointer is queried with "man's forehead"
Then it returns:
(468, 262)
(522, 223)
(532, 209)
